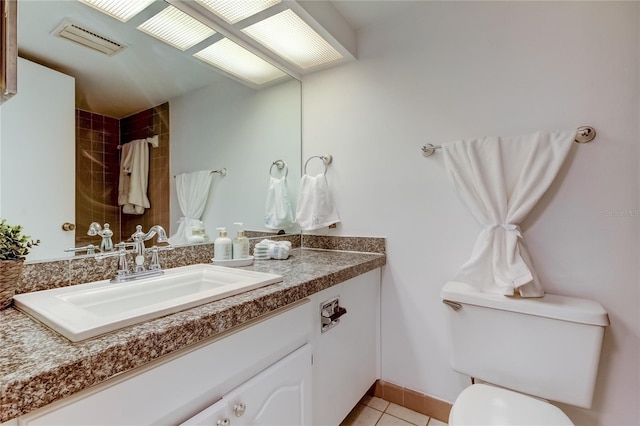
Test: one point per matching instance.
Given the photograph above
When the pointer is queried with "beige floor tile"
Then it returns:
(436, 422)
(410, 416)
(373, 402)
(362, 415)
(388, 420)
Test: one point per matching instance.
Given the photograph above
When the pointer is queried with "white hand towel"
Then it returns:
(278, 213)
(315, 204)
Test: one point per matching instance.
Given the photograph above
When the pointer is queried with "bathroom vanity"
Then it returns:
(302, 351)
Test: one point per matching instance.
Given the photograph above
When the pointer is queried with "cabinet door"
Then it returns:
(218, 414)
(346, 358)
(279, 395)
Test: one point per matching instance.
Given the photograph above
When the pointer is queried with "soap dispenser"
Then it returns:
(222, 246)
(240, 243)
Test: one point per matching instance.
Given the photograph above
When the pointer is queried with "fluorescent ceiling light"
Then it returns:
(122, 10)
(290, 37)
(236, 60)
(176, 28)
(234, 11)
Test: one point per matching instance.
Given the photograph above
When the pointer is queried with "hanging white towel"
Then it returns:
(134, 174)
(193, 191)
(123, 182)
(278, 213)
(315, 207)
(500, 180)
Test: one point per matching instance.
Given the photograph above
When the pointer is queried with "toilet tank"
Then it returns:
(547, 347)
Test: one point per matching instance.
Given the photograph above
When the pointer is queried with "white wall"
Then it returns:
(243, 130)
(449, 70)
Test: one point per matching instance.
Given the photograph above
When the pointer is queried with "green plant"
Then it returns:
(14, 245)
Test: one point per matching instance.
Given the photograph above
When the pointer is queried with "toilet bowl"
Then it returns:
(487, 405)
(525, 351)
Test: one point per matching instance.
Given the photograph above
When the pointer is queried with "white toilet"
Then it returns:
(525, 351)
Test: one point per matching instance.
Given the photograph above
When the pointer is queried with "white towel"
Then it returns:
(192, 190)
(134, 176)
(123, 182)
(315, 205)
(501, 179)
(278, 213)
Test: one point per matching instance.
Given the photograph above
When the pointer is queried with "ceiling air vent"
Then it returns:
(76, 33)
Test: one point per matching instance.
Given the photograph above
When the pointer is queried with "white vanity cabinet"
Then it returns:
(280, 370)
(173, 390)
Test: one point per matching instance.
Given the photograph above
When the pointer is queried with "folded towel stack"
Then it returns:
(269, 249)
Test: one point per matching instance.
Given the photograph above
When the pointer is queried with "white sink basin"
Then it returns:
(87, 310)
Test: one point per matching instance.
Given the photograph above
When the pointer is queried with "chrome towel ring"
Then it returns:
(326, 159)
(280, 164)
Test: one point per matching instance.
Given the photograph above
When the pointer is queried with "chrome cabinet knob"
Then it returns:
(223, 422)
(239, 409)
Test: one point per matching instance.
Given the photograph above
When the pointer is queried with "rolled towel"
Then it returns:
(269, 249)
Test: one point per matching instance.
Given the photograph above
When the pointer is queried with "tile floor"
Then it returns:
(372, 411)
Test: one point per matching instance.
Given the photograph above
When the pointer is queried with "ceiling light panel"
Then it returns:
(176, 28)
(122, 10)
(238, 61)
(290, 37)
(234, 11)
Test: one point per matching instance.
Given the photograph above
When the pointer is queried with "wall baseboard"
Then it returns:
(416, 401)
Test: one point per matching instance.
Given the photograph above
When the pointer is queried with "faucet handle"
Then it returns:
(155, 259)
(138, 235)
(123, 266)
(90, 249)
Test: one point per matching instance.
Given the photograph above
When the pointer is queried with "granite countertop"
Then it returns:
(39, 366)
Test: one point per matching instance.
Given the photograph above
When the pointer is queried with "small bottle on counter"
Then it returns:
(222, 246)
(240, 244)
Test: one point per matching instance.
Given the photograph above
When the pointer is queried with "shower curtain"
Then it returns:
(193, 191)
(500, 180)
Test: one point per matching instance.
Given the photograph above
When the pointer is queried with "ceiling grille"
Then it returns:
(76, 33)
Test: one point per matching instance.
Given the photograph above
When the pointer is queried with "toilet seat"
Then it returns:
(482, 404)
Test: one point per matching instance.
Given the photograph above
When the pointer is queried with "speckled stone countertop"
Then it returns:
(39, 366)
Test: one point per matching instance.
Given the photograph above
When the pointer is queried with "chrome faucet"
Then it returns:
(139, 250)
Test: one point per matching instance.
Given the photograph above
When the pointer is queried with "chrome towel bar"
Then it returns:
(583, 135)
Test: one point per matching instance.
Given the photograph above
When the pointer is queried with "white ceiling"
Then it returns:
(148, 72)
(364, 13)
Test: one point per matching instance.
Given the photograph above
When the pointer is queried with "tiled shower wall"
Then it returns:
(154, 121)
(97, 169)
(98, 165)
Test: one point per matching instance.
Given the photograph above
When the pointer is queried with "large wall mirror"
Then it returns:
(207, 120)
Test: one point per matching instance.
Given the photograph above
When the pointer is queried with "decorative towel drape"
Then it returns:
(315, 208)
(500, 180)
(192, 190)
(134, 175)
(278, 213)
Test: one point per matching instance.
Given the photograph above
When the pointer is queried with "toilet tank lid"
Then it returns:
(564, 308)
